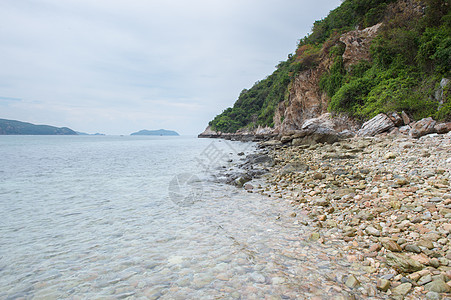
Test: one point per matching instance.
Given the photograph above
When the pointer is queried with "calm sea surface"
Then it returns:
(104, 217)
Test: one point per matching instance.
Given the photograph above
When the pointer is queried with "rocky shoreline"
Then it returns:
(388, 197)
(383, 190)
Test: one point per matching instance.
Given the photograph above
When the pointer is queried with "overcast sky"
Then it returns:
(117, 67)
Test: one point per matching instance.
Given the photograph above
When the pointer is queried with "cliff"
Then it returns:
(395, 60)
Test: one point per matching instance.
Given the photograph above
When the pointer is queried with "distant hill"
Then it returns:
(12, 127)
(156, 132)
(84, 133)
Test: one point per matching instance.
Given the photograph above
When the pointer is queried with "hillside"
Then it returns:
(12, 127)
(161, 132)
(364, 58)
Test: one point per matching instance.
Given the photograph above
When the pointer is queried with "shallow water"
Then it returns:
(138, 218)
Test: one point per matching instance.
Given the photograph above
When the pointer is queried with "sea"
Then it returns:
(141, 217)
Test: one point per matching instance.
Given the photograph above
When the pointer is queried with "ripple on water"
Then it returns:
(93, 223)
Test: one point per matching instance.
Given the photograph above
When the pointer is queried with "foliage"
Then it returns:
(409, 57)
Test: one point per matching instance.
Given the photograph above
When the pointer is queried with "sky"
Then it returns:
(119, 66)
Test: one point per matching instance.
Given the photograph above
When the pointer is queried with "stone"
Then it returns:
(372, 231)
(402, 289)
(321, 202)
(390, 155)
(442, 128)
(390, 245)
(396, 119)
(422, 127)
(403, 263)
(240, 181)
(383, 284)
(314, 236)
(295, 167)
(352, 282)
(433, 296)
(405, 118)
(421, 258)
(376, 125)
(248, 187)
(438, 286)
(412, 248)
(425, 279)
(425, 243)
(319, 176)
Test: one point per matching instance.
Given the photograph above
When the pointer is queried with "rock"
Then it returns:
(390, 245)
(321, 202)
(270, 143)
(405, 118)
(434, 262)
(433, 296)
(372, 231)
(390, 155)
(421, 258)
(396, 119)
(425, 279)
(438, 286)
(240, 181)
(320, 135)
(412, 248)
(286, 139)
(314, 236)
(422, 127)
(402, 289)
(352, 282)
(404, 129)
(382, 284)
(346, 134)
(376, 125)
(319, 176)
(257, 277)
(403, 263)
(425, 243)
(248, 187)
(442, 128)
(294, 167)
(402, 181)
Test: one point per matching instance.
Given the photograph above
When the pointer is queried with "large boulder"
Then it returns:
(376, 125)
(442, 127)
(422, 127)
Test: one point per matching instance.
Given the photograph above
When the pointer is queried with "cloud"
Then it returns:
(120, 66)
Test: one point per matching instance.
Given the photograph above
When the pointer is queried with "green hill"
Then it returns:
(409, 59)
(12, 127)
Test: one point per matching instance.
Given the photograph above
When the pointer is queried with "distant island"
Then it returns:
(13, 127)
(161, 132)
(84, 133)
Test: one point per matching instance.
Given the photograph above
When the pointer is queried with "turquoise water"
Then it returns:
(92, 217)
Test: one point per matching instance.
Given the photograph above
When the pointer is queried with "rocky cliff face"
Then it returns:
(306, 100)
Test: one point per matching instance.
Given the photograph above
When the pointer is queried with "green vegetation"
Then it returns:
(409, 57)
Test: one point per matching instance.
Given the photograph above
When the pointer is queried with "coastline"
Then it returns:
(387, 197)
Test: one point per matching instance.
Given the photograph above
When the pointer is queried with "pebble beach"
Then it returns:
(386, 200)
